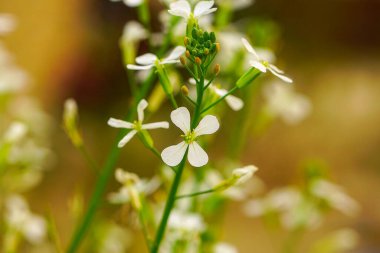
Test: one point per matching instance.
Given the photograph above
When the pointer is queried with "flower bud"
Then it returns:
(217, 47)
(217, 69)
(187, 54)
(185, 90)
(70, 118)
(182, 60)
(198, 61)
(186, 41)
(248, 77)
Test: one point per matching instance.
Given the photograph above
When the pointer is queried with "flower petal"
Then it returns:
(155, 125)
(203, 8)
(282, 77)
(133, 3)
(138, 67)
(276, 69)
(180, 8)
(120, 123)
(146, 59)
(208, 125)
(235, 103)
(143, 104)
(250, 48)
(175, 54)
(258, 65)
(173, 155)
(197, 156)
(181, 118)
(127, 138)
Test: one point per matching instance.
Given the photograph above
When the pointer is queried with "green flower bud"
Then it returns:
(248, 77)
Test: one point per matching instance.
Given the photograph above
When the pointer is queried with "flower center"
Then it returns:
(137, 125)
(189, 137)
(265, 63)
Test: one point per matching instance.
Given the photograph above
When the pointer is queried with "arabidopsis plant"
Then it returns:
(148, 61)
(137, 125)
(197, 157)
(182, 8)
(263, 65)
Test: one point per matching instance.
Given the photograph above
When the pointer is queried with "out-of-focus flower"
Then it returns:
(284, 102)
(186, 222)
(130, 3)
(19, 218)
(15, 132)
(137, 125)
(112, 238)
(197, 157)
(342, 240)
(234, 102)
(132, 187)
(133, 32)
(7, 23)
(263, 65)
(148, 61)
(70, 122)
(236, 4)
(223, 247)
(182, 8)
(335, 196)
(242, 175)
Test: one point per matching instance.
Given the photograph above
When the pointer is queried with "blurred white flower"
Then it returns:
(335, 196)
(223, 247)
(284, 102)
(263, 65)
(242, 175)
(134, 32)
(197, 157)
(148, 61)
(182, 8)
(19, 218)
(140, 186)
(112, 238)
(137, 125)
(234, 102)
(7, 23)
(186, 222)
(15, 132)
(130, 3)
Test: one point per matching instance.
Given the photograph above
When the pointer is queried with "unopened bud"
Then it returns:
(206, 51)
(186, 41)
(198, 60)
(217, 69)
(182, 60)
(70, 122)
(217, 47)
(185, 90)
(187, 53)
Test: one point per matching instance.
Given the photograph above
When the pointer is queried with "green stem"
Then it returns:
(220, 99)
(144, 229)
(169, 206)
(195, 194)
(91, 162)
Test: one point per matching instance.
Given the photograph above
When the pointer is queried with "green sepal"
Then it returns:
(248, 77)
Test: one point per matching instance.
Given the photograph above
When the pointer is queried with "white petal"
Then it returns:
(146, 59)
(120, 123)
(155, 125)
(197, 156)
(258, 65)
(276, 69)
(169, 61)
(203, 8)
(181, 118)
(138, 67)
(234, 102)
(133, 3)
(180, 8)
(250, 48)
(207, 12)
(175, 54)
(192, 81)
(127, 138)
(143, 104)
(282, 77)
(208, 125)
(173, 155)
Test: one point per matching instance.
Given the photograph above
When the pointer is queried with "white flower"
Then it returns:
(130, 3)
(148, 61)
(242, 175)
(137, 125)
(234, 102)
(187, 222)
(182, 8)
(19, 217)
(134, 31)
(284, 102)
(223, 247)
(7, 23)
(263, 65)
(197, 157)
(15, 132)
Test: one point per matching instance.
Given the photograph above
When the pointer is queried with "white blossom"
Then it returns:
(16, 131)
(234, 102)
(223, 247)
(284, 102)
(148, 61)
(134, 31)
(263, 65)
(187, 222)
(242, 175)
(183, 9)
(130, 3)
(137, 125)
(7, 23)
(197, 157)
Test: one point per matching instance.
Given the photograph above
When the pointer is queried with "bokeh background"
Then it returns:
(330, 47)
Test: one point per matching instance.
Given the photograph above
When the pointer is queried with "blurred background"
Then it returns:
(331, 48)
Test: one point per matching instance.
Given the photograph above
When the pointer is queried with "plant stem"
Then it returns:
(169, 206)
(195, 194)
(91, 162)
(219, 99)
